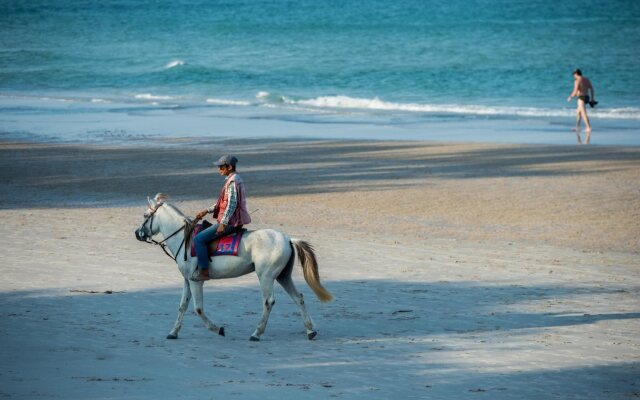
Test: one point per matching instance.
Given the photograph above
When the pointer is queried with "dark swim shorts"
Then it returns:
(584, 98)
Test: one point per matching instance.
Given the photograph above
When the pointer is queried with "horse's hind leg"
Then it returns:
(285, 281)
(196, 290)
(266, 286)
(184, 304)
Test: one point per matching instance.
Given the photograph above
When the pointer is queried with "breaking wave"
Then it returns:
(174, 63)
(226, 102)
(354, 103)
(149, 96)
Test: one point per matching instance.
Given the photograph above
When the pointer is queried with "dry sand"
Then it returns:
(460, 271)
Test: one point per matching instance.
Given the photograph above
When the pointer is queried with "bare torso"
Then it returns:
(584, 84)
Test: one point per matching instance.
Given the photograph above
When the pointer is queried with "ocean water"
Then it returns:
(395, 69)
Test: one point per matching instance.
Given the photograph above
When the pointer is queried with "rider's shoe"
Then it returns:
(203, 275)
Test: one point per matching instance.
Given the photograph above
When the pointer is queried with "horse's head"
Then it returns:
(147, 230)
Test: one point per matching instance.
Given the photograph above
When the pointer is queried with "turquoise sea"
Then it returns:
(480, 70)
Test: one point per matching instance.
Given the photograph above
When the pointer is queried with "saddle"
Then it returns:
(225, 246)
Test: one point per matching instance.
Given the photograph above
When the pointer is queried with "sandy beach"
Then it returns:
(459, 270)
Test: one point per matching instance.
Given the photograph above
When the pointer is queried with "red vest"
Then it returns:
(240, 216)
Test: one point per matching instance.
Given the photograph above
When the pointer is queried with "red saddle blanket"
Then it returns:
(225, 246)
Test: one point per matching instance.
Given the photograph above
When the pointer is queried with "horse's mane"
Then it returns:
(189, 225)
(175, 210)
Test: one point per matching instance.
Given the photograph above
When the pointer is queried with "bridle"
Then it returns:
(187, 228)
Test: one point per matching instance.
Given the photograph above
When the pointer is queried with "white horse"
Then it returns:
(267, 252)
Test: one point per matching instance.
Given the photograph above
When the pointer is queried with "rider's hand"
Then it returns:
(201, 214)
(220, 228)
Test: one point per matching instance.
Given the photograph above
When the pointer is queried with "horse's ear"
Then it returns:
(160, 198)
(152, 203)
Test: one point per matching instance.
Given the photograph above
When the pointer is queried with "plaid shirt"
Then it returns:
(232, 196)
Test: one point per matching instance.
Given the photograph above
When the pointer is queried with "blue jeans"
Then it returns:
(202, 239)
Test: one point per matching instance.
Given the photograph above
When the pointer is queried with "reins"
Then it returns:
(187, 228)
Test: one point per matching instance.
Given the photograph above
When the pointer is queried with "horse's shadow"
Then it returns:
(448, 339)
(364, 308)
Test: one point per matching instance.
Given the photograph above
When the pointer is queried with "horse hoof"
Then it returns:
(172, 336)
(312, 335)
(254, 339)
(221, 331)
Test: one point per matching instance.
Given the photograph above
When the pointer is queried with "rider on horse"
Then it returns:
(230, 211)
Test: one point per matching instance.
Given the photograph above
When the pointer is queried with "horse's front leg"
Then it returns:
(196, 289)
(184, 305)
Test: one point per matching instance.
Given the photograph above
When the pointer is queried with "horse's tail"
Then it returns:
(307, 258)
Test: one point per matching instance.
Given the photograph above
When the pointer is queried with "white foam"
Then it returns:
(346, 102)
(59, 99)
(100, 101)
(174, 63)
(267, 97)
(149, 96)
(352, 103)
(226, 102)
(617, 113)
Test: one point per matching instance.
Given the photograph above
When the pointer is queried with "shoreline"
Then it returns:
(151, 122)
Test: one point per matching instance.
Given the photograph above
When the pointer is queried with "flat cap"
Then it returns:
(226, 159)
